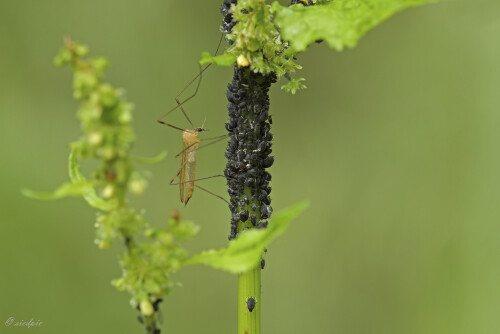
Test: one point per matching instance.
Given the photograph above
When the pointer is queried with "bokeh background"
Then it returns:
(394, 142)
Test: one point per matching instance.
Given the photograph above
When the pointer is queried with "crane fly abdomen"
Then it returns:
(191, 143)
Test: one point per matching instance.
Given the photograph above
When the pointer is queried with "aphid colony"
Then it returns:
(248, 150)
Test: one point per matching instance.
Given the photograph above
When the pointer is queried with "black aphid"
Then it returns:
(156, 304)
(244, 215)
(253, 219)
(262, 224)
(250, 304)
(262, 263)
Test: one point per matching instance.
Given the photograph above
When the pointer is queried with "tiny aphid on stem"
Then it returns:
(191, 144)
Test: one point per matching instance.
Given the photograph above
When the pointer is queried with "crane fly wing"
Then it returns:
(190, 171)
(182, 177)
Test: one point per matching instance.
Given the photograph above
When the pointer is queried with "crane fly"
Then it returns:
(191, 144)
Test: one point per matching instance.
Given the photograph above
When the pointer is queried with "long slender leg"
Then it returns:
(208, 191)
(183, 112)
(199, 75)
(172, 126)
(203, 178)
(215, 140)
(217, 137)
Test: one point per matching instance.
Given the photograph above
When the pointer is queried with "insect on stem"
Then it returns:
(191, 144)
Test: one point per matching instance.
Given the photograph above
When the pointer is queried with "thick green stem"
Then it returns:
(249, 287)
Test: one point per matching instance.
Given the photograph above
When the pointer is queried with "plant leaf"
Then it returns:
(244, 252)
(293, 85)
(153, 160)
(65, 190)
(221, 60)
(341, 23)
(89, 194)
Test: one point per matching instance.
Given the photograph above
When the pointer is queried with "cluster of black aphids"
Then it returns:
(249, 148)
(227, 22)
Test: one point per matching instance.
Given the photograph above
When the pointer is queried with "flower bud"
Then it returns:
(243, 61)
(146, 308)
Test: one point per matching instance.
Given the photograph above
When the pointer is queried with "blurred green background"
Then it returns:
(395, 142)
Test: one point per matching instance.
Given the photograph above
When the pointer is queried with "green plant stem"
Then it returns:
(150, 323)
(249, 286)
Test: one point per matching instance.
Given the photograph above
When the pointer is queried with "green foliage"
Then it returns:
(147, 267)
(244, 252)
(107, 137)
(65, 190)
(88, 192)
(257, 39)
(268, 37)
(340, 23)
(153, 160)
(293, 85)
(222, 60)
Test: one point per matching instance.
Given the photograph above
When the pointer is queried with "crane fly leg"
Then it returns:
(170, 125)
(202, 178)
(199, 75)
(183, 112)
(208, 191)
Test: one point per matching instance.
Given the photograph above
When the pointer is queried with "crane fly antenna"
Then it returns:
(199, 75)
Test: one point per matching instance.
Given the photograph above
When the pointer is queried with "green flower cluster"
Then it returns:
(256, 43)
(256, 40)
(151, 254)
(105, 117)
(148, 266)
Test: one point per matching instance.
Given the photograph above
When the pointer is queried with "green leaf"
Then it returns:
(153, 160)
(244, 252)
(222, 60)
(89, 194)
(341, 23)
(293, 85)
(65, 190)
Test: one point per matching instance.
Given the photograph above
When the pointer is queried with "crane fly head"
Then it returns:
(201, 129)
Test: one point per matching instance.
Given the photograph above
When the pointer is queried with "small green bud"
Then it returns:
(103, 244)
(81, 49)
(146, 308)
(100, 64)
(125, 117)
(137, 186)
(63, 58)
(108, 191)
(243, 61)
(166, 238)
(108, 153)
(108, 96)
(175, 264)
(94, 138)
(253, 45)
